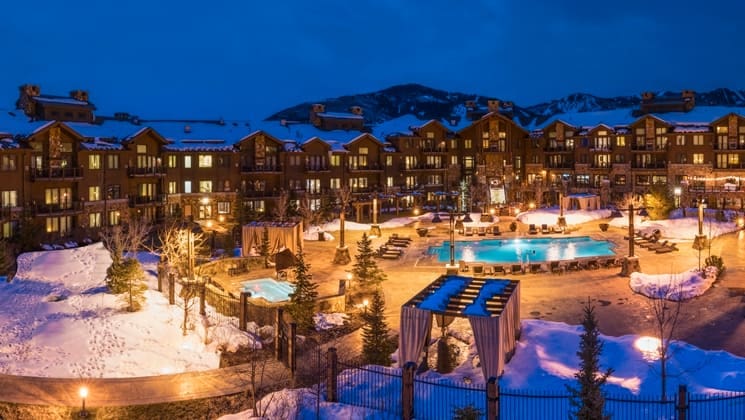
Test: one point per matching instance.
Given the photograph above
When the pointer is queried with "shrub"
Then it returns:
(513, 226)
(468, 412)
(715, 261)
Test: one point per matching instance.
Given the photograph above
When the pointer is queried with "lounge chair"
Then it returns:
(558, 229)
(536, 268)
(657, 245)
(644, 239)
(495, 230)
(637, 234)
(463, 266)
(532, 230)
(592, 264)
(498, 269)
(396, 236)
(390, 256)
(516, 269)
(666, 249)
(573, 265)
(545, 229)
(651, 242)
(478, 269)
(554, 267)
(481, 231)
(468, 231)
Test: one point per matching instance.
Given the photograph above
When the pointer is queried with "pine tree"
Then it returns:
(126, 278)
(376, 345)
(366, 272)
(302, 299)
(589, 400)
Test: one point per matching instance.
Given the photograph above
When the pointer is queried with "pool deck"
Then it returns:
(715, 320)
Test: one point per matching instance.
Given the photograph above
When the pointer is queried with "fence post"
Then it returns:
(291, 353)
(682, 402)
(171, 288)
(277, 326)
(331, 364)
(242, 314)
(492, 399)
(407, 391)
(161, 274)
(202, 293)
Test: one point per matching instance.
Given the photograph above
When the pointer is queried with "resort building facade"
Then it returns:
(73, 172)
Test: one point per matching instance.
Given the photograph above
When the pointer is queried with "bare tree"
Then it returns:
(629, 198)
(539, 187)
(665, 308)
(174, 244)
(264, 374)
(190, 295)
(126, 237)
(283, 206)
(311, 217)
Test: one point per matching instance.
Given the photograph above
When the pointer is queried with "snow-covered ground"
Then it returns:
(56, 319)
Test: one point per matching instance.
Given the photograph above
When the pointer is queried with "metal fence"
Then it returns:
(381, 388)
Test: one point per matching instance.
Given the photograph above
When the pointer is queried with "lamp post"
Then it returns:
(83, 392)
(700, 241)
(630, 263)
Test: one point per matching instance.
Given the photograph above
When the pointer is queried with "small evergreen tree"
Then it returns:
(588, 399)
(366, 271)
(28, 235)
(302, 299)
(126, 278)
(376, 345)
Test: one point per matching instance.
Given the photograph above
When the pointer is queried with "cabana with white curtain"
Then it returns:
(492, 307)
(581, 201)
(281, 235)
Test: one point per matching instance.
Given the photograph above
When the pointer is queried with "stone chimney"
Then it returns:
(647, 96)
(356, 110)
(30, 90)
(79, 95)
(492, 105)
(316, 109)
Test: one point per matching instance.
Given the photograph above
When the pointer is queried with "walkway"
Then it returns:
(133, 391)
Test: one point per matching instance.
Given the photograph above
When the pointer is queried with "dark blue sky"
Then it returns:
(248, 59)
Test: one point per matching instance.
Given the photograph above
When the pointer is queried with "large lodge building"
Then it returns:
(74, 172)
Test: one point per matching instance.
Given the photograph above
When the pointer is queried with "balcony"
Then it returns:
(317, 168)
(56, 174)
(559, 149)
(150, 171)
(364, 168)
(146, 200)
(649, 165)
(422, 167)
(434, 150)
(55, 209)
(248, 169)
(560, 165)
(725, 166)
(259, 194)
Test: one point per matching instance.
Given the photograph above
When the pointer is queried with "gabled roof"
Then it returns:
(364, 136)
(644, 117)
(725, 118)
(143, 131)
(257, 133)
(62, 100)
(46, 127)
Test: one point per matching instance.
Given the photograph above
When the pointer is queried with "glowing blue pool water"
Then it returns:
(524, 250)
(269, 289)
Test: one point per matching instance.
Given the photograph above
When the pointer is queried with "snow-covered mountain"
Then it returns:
(429, 103)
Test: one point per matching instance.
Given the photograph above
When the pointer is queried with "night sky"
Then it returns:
(247, 59)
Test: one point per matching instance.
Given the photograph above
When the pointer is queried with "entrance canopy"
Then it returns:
(281, 235)
(492, 307)
(582, 201)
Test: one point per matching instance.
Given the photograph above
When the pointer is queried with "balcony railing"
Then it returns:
(740, 165)
(150, 171)
(146, 200)
(422, 167)
(370, 167)
(317, 168)
(649, 165)
(56, 173)
(261, 168)
(559, 149)
(434, 149)
(71, 207)
(259, 194)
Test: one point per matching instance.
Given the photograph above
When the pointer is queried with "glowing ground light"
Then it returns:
(649, 347)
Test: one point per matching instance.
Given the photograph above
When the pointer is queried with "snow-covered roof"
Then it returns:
(61, 100)
(343, 115)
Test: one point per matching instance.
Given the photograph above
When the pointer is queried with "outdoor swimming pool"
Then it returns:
(523, 250)
(269, 289)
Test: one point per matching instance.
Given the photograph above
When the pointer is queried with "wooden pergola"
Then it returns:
(491, 305)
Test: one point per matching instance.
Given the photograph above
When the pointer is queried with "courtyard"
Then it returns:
(712, 321)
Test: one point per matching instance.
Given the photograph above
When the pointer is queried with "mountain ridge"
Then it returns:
(428, 103)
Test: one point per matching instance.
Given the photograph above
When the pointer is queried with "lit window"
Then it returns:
(187, 161)
(94, 162)
(205, 161)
